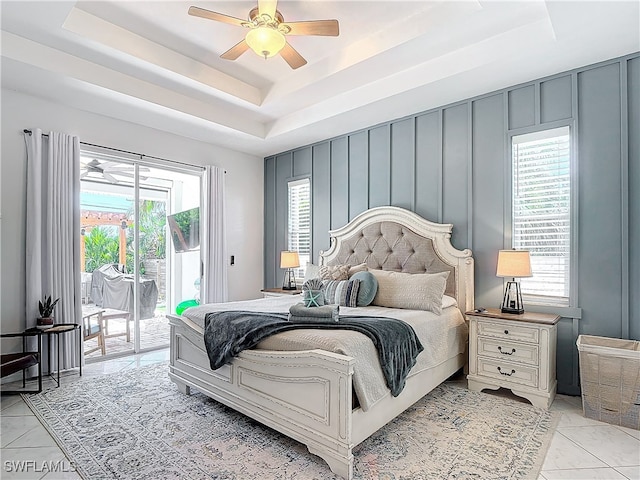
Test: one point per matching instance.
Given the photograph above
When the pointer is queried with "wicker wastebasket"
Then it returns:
(610, 379)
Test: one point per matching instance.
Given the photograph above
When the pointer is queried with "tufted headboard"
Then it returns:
(392, 238)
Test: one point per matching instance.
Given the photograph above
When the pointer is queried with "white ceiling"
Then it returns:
(151, 63)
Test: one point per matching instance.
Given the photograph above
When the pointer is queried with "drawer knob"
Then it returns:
(513, 350)
(506, 373)
(506, 332)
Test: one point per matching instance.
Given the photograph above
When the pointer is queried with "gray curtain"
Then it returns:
(53, 232)
(214, 254)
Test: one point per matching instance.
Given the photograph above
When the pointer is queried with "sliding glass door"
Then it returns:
(135, 269)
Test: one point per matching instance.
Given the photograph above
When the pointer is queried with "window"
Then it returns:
(541, 186)
(299, 235)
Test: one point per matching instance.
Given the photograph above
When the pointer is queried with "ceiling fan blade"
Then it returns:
(110, 177)
(292, 57)
(268, 7)
(117, 168)
(218, 17)
(84, 174)
(235, 51)
(326, 28)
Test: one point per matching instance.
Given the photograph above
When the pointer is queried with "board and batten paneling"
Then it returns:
(599, 190)
(403, 160)
(339, 205)
(379, 166)
(270, 185)
(429, 166)
(488, 199)
(358, 173)
(320, 198)
(302, 163)
(452, 164)
(633, 187)
(455, 173)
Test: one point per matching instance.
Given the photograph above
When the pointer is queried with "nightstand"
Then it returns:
(517, 352)
(279, 292)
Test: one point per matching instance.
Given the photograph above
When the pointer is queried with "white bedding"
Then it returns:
(442, 336)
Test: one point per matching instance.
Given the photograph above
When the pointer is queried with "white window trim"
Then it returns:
(304, 258)
(521, 136)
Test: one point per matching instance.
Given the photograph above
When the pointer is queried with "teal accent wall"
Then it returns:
(451, 165)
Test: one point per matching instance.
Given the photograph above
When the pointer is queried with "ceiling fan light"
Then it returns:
(265, 41)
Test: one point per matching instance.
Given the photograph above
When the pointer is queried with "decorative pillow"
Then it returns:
(334, 272)
(368, 287)
(313, 284)
(448, 301)
(313, 298)
(418, 291)
(353, 269)
(343, 292)
(311, 271)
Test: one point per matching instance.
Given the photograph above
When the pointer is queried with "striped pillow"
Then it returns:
(343, 292)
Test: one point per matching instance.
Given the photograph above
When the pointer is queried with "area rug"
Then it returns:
(137, 425)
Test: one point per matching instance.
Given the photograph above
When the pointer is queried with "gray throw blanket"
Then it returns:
(326, 313)
(228, 333)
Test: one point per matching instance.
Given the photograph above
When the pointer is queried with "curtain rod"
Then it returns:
(29, 132)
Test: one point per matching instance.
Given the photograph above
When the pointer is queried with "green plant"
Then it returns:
(46, 308)
(101, 248)
(153, 220)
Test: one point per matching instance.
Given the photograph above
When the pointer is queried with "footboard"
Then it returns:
(306, 395)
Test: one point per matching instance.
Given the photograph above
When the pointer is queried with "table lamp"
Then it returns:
(513, 263)
(289, 261)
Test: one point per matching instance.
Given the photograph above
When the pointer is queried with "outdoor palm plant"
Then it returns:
(101, 247)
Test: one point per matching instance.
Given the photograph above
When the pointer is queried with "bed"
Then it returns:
(322, 398)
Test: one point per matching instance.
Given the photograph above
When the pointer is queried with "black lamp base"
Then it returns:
(512, 310)
(512, 300)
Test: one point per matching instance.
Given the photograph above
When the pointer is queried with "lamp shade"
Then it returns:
(289, 259)
(514, 263)
(265, 41)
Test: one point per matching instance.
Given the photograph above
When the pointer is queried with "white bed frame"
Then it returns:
(307, 395)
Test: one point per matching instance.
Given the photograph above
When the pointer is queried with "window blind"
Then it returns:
(299, 234)
(541, 210)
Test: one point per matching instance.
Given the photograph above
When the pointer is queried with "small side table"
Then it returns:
(517, 352)
(56, 330)
(279, 292)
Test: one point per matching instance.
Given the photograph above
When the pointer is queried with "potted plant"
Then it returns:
(46, 312)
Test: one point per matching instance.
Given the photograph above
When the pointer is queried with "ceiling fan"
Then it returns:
(108, 170)
(267, 31)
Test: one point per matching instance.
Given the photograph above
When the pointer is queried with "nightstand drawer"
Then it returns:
(505, 350)
(510, 331)
(508, 372)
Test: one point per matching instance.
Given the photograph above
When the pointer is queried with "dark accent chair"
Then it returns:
(22, 361)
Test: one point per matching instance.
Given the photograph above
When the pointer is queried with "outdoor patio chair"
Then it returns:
(92, 327)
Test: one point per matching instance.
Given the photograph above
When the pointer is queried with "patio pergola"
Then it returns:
(93, 218)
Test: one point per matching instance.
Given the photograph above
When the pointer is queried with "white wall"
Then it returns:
(244, 187)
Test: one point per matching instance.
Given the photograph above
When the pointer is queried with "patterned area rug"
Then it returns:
(137, 425)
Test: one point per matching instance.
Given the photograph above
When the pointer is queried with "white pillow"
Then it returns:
(418, 291)
(311, 271)
(448, 301)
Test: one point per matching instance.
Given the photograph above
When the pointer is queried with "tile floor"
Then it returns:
(581, 448)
